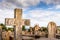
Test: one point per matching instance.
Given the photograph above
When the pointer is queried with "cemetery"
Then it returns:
(51, 32)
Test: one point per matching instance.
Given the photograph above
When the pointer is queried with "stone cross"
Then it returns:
(51, 30)
(17, 22)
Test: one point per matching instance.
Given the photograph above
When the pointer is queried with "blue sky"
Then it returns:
(38, 11)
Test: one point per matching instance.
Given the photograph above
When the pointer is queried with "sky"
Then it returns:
(38, 11)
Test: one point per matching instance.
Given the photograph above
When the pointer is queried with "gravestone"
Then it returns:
(17, 22)
(51, 30)
(0, 32)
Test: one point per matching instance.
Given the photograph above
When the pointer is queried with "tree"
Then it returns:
(28, 30)
(44, 29)
(11, 29)
(3, 27)
(23, 28)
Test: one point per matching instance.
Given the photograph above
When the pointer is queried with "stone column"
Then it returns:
(18, 22)
(51, 30)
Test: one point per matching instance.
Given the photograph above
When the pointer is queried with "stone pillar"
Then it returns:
(51, 30)
(0, 32)
(18, 22)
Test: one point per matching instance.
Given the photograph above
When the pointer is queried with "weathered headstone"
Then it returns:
(51, 30)
(0, 32)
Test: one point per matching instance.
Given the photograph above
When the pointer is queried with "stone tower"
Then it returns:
(51, 30)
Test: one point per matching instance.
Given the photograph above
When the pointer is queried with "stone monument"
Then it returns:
(51, 30)
(17, 22)
(0, 32)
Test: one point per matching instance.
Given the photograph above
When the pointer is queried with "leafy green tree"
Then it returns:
(11, 29)
(44, 29)
(3, 27)
(23, 28)
(28, 30)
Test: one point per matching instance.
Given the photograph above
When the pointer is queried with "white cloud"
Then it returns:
(11, 4)
(37, 16)
(55, 3)
(52, 1)
(42, 17)
(5, 14)
(18, 3)
(26, 3)
(7, 5)
(57, 7)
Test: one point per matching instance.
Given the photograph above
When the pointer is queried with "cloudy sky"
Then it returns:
(39, 11)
